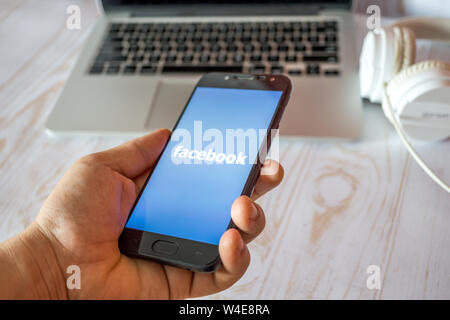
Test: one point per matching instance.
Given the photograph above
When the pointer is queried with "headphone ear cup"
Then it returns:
(381, 58)
(419, 95)
(397, 59)
(409, 48)
(369, 64)
(405, 52)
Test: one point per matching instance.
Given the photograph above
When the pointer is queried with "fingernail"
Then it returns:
(254, 214)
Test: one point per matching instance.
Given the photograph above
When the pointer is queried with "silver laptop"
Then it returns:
(143, 58)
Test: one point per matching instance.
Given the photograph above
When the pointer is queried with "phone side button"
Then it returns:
(165, 247)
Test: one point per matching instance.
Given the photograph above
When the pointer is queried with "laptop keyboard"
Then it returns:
(294, 48)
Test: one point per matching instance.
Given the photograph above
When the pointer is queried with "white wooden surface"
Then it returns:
(342, 206)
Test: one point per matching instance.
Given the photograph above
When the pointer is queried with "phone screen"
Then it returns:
(206, 163)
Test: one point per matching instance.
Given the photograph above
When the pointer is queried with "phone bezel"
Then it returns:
(194, 255)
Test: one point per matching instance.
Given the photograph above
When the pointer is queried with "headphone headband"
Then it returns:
(427, 28)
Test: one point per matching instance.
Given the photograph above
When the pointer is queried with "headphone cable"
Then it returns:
(412, 151)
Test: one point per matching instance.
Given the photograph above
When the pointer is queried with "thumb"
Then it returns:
(134, 157)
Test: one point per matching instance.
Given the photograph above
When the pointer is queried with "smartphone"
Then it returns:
(210, 159)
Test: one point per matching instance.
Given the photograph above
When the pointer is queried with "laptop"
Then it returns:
(143, 58)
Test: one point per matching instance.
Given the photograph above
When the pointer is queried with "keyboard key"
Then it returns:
(134, 37)
(155, 57)
(330, 27)
(147, 69)
(130, 27)
(273, 57)
(129, 70)
(283, 47)
(271, 28)
(166, 48)
(221, 58)
(96, 69)
(288, 28)
(248, 48)
(277, 69)
(204, 57)
(255, 58)
(115, 27)
(188, 58)
(246, 38)
(201, 68)
(197, 38)
(331, 38)
(171, 58)
(300, 47)
(198, 47)
(331, 72)
(265, 48)
(114, 38)
(263, 38)
(111, 49)
(181, 38)
(111, 57)
(133, 48)
(238, 58)
(144, 27)
(182, 48)
(324, 48)
(214, 48)
(213, 38)
(330, 24)
(295, 72)
(257, 69)
(320, 28)
(313, 69)
(278, 38)
(320, 58)
(232, 47)
(113, 69)
(313, 38)
(297, 37)
(291, 58)
(150, 48)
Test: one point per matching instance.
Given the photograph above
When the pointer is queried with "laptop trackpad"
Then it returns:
(168, 102)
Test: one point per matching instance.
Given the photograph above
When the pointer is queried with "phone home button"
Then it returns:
(165, 247)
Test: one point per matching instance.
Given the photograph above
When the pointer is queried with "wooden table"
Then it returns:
(342, 206)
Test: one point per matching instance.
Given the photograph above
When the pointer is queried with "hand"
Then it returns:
(82, 219)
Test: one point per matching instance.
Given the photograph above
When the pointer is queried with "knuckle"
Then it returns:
(93, 158)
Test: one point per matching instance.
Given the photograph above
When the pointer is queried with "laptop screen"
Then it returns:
(256, 4)
(247, 2)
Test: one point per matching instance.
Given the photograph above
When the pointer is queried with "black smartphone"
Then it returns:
(212, 157)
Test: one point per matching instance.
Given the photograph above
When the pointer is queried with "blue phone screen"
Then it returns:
(206, 164)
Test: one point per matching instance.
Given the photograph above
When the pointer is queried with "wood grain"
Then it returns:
(342, 206)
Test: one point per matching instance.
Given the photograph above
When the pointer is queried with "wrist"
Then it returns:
(30, 267)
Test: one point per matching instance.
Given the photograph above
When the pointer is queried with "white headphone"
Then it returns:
(415, 97)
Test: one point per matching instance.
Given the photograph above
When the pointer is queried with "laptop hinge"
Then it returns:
(217, 10)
